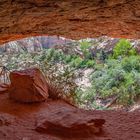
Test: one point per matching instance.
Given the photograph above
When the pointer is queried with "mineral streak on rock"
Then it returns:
(28, 86)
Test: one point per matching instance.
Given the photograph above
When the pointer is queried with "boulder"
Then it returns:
(70, 124)
(28, 86)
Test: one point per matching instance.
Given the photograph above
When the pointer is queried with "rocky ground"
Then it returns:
(19, 121)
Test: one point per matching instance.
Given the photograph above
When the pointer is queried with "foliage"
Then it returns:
(85, 46)
(68, 58)
(61, 79)
(123, 48)
(81, 63)
(52, 55)
(90, 63)
(131, 63)
(101, 55)
(118, 75)
(76, 62)
(116, 78)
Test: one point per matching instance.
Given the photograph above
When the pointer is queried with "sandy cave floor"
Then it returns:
(20, 121)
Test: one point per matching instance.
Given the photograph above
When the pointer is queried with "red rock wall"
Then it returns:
(70, 18)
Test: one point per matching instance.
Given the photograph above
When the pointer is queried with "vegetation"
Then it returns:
(123, 49)
(114, 75)
(113, 79)
(85, 46)
(119, 75)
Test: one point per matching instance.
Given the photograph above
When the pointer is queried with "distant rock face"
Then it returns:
(33, 44)
(71, 124)
(36, 44)
(28, 86)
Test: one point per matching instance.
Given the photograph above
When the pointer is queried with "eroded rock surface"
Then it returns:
(6, 120)
(28, 86)
(23, 119)
(73, 19)
(4, 88)
(71, 124)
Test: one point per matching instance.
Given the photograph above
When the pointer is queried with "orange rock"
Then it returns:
(115, 18)
(28, 86)
(71, 124)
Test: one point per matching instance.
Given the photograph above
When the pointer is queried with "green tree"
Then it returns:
(123, 48)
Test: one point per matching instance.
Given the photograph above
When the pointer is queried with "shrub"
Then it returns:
(61, 80)
(68, 58)
(54, 55)
(90, 63)
(102, 55)
(131, 63)
(76, 62)
(111, 76)
(123, 48)
(117, 79)
(85, 46)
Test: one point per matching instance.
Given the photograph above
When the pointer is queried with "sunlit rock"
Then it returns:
(28, 86)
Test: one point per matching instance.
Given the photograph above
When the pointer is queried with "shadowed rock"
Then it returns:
(28, 86)
(69, 124)
(116, 18)
(4, 88)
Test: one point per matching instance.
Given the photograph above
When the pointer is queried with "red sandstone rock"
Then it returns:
(28, 86)
(4, 88)
(74, 19)
(17, 121)
(71, 124)
(35, 2)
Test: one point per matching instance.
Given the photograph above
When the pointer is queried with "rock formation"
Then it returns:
(71, 124)
(4, 88)
(33, 44)
(28, 86)
(72, 19)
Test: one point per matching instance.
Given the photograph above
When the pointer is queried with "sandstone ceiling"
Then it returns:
(69, 18)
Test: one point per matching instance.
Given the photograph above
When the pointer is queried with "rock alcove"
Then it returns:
(57, 119)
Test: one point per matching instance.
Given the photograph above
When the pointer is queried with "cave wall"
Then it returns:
(69, 18)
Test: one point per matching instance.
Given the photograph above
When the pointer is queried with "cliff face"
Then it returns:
(69, 18)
